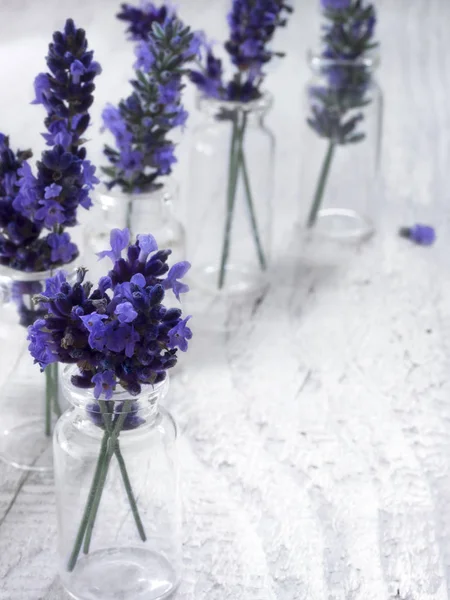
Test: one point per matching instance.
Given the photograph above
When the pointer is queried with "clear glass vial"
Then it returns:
(30, 400)
(230, 194)
(342, 135)
(116, 480)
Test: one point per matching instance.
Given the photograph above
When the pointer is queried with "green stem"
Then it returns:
(321, 185)
(48, 400)
(129, 212)
(113, 448)
(231, 196)
(129, 491)
(89, 504)
(56, 406)
(96, 502)
(251, 208)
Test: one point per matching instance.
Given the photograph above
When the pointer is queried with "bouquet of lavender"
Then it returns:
(36, 209)
(347, 43)
(120, 333)
(142, 122)
(31, 205)
(253, 24)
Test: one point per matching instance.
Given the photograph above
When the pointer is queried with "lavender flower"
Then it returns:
(423, 235)
(124, 337)
(20, 247)
(252, 26)
(66, 91)
(347, 40)
(31, 204)
(140, 20)
(49, 204)
(142, 122)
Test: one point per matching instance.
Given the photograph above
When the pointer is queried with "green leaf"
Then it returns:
(158, 31)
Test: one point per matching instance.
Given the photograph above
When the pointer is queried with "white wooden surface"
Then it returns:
(315, 442)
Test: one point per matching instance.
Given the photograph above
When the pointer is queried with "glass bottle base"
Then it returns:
(121, 573)
(237, 280)
(224, 310)
(26, 446)
(343, 224)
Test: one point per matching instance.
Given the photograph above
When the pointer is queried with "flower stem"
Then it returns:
(89, 504)
(96, 502)
(129, 491)
(56, 407)
(250, 204)
(321, 185)
(129, 212)
(231, 196)
(113, 448)
(48, 400)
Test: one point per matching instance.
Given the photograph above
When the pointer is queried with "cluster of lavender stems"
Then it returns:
(237, 165)
(109, 447)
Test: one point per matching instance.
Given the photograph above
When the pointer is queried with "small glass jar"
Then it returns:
(339, 191)
(30, 400)
(116, 481)
(229, 211)
(150, 212)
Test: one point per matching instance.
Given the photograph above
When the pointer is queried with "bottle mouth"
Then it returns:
(110, 198)
(121, 400)
(40, 276)
(318, 62)
(217, 106)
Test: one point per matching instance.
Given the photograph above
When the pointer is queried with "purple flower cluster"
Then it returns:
(49, 200)
(120, 333)
(66, 91)
(349, 30)
(20, 247)
(347, 41)
(63, 183)
(141, 123)
(252, 26)
(140, 20)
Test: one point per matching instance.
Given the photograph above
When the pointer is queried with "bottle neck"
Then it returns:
(121, 409)
(252, 112)
(323, 66)
(20, 288)
(137, 207)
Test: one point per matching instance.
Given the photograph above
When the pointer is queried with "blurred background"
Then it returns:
(414, 74)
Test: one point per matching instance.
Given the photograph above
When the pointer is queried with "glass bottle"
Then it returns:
(116, 480)
(231, 180)
(229, 209)
(339, 191)
(30, 400)
(142, 213)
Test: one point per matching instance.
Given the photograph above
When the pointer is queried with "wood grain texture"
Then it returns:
(315, 445)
